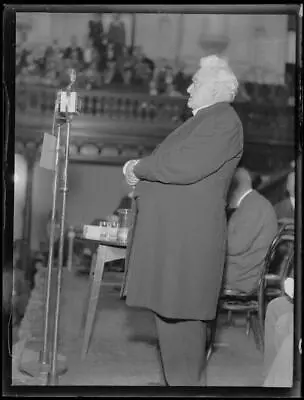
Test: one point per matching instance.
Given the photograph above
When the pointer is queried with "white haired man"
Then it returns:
(178, 250)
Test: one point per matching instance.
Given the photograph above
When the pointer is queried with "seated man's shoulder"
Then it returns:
(259, 202)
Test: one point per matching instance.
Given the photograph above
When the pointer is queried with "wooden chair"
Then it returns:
(278, 261)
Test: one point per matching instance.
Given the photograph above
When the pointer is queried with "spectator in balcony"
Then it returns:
(53, 61)
(285, 208)
(161, 77)
(52, 73)
(96, 30)
(91, 63)
(53, 51)
(170, 85)
(74, 53)
(143, 67)
(251, 229)
(39, 56)
(110, 64)
(22, 53)
(181, 81)
(30, 72)
(117, 36)
(128, 66)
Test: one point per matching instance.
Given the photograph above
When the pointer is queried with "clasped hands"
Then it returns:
(131, 178)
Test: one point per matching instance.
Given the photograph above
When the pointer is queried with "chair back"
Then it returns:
(278, 262)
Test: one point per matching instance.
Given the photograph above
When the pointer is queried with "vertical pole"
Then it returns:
(71, 236)
(64, 189)
(45, 355)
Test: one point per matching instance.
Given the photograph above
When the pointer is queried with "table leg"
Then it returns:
(93, 263)
(93, 299)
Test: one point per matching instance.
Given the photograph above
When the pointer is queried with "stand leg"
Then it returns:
(71, 236)
(93, 300)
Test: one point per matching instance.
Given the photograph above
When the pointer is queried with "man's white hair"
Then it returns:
(219, 72)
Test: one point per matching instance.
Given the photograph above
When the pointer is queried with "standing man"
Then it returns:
(178, 251)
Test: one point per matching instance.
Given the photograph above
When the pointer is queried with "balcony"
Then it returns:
(117, 125)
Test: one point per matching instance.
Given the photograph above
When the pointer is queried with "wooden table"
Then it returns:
(106, 251)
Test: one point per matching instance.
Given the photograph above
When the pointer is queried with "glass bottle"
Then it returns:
(124, 224)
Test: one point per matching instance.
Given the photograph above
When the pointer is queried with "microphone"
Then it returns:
(68, 101)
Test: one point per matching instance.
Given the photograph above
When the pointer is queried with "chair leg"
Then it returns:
(257, 332)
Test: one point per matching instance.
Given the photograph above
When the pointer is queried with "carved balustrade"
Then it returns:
(139, 107)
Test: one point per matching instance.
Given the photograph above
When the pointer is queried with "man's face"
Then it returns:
(200, 91)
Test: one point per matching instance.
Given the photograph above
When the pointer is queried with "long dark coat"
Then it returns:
(178, 251)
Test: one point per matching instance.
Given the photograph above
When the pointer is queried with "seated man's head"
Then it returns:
(240, 184)
(214, 82)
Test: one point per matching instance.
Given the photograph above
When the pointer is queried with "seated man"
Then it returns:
(285, 208)
(251, 229)
(278, 339)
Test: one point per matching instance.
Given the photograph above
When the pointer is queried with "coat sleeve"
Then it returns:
(204, 151)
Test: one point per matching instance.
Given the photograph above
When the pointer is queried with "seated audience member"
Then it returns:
(181, 81)
(74, 53)
(143, 67)
(96, 30)
(285, 208)
(278, 339)
(251, 229)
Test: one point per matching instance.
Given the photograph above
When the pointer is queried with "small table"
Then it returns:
(106, 251)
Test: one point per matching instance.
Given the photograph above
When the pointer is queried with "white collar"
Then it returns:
(195, 111)
(242, 197)
(292, 200)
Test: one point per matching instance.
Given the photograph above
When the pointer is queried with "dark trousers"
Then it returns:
(182, 350)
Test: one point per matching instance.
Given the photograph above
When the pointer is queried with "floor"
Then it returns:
(123, 348)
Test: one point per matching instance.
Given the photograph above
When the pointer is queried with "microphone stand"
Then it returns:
(67, 105)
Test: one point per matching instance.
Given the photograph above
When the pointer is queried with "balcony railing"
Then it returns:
(262, 123)
(137, 107)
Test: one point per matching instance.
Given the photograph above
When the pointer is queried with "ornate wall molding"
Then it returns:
(84, 149)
